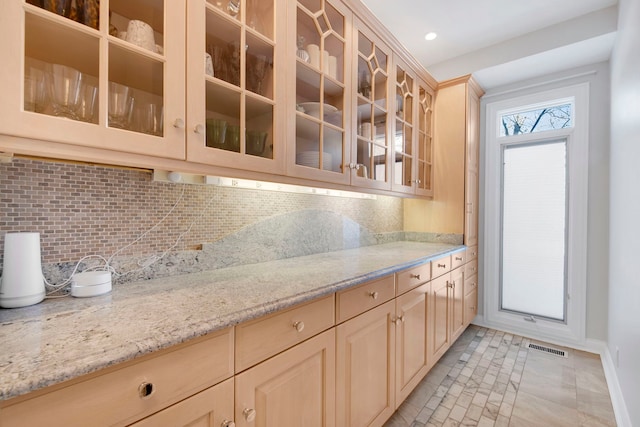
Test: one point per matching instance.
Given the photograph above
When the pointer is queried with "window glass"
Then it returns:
(554, 116)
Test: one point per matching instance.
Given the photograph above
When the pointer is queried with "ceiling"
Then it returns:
(501, 41)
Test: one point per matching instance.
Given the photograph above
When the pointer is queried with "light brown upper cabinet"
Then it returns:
(371, 133)
(104, 78)
(233, 84)
(404, 158)
(306, 91)
(320, 68)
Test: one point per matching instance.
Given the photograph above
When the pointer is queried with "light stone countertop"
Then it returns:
(61, 339)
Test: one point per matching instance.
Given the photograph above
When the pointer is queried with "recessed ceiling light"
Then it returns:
(430, 36)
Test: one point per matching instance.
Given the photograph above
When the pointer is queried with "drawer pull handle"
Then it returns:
(472, 308)
(373, 295)
(299, 325)
(227, 423)
(249, 414)
(451, 284)
(442, 265)
(415, 276)
(458, 258)
(145, 390)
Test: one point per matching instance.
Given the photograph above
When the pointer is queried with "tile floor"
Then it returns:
(490, 378)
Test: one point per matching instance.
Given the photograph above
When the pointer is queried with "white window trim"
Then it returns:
(574, 330)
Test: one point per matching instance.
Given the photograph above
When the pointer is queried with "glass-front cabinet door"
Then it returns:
(232, 83)
(322, 68)
(404, 156)
(371, 152)
(106, 74)
(424, 184)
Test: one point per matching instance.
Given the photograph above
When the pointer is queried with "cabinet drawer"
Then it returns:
(470, 283)
(472, 253)
(262, 338)
(440, 266)
(354, 301)
(124, 395)
(470, 307)
(413, 277)
(471, 268)
(458, 259)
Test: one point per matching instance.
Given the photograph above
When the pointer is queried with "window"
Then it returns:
(537, 119)
(535, 214)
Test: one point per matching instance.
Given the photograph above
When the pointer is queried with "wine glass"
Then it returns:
(257, 73)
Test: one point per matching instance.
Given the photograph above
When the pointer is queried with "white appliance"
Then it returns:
(22, 282)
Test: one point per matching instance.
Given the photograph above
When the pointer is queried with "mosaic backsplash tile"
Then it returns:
(82, 209)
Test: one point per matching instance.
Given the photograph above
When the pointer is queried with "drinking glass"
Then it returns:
(255, 142)
(88, 102)
(34, 90)
(120, 105)
(232, 138)
(152, 119)
(257, 72)
(216, 133)
(64, 84)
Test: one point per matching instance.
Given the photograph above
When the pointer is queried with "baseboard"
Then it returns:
(617, 398)
(591, 346)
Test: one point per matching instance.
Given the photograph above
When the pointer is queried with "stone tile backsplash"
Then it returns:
(152, 229)
(82, 209)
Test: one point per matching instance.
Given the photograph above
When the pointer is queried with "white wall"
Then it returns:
(598, 220)
(624, 294)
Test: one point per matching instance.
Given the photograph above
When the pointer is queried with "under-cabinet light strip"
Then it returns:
(179, 177)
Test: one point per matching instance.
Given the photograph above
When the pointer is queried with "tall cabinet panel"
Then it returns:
(472, 165)
(319, 139)
(371, 152)
(99, 74)
(232, 84)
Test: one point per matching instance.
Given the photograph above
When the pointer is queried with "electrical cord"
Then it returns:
(143, 263)
(107, 262)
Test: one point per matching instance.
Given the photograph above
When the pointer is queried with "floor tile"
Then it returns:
(491, 378)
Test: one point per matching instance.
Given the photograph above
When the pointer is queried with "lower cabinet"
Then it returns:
(439, 318)
(210, 408)
(412, 358)
(471, 306)
(292, 368)
(456, 281)
(365, 367)
(129, 392)
(293, 388)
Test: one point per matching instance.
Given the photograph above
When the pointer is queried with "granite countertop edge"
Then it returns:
(60, 340)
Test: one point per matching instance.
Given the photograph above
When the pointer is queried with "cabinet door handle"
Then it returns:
(373, 295)
(199, 129)
(178, 123)
(145, 390)
(415, 276)
(227, 423)
(299, 325)
(249, 414)
(398, 319)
